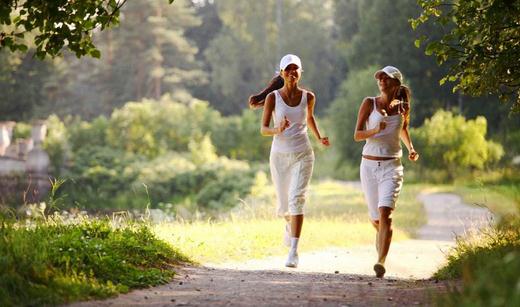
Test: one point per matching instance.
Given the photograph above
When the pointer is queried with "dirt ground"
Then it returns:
(331, 277)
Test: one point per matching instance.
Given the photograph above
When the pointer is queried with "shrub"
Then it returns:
(450, 142)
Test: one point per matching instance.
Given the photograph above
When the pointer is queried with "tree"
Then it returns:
(147, 55)
(382, 41)
(56, 25)
(244, 56)
(23, 84)
(480, 42)
(344, 110)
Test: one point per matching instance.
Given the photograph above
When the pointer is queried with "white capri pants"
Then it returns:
(381, 182)
(291, 173)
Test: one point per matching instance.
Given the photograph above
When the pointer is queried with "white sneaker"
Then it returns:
(287, 236)
(292, 259)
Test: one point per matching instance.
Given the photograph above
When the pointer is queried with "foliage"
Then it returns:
(452, 143)
(382, 40)
(489, 265)
(152, 127)
(480, 43)
(56, 144)
(239, 137)
(23, 84)
(21, 131)
(56, 24)
(344, 110)
(245, 54)
(52, 262)
(83, 134)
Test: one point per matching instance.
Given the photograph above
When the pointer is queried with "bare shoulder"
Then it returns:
(270, 96)
(311, 97)
(367, 103)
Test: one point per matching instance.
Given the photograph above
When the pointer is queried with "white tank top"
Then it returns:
(387, 142)
(294, 138)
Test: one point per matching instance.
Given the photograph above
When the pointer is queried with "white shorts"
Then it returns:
(381, 182)
(291, 173)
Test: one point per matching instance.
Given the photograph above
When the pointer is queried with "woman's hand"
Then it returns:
(413, 155)
(325, 141)
(382, 123)
(283, 125)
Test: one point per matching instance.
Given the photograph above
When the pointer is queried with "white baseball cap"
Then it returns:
(390, 71)
(289, 59)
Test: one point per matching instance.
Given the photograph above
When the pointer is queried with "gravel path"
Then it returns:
(332, 277)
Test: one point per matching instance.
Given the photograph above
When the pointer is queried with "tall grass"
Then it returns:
(52, 261)
(489, 264)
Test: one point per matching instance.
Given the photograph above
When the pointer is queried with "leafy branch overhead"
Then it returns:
(51, 26)
(480, 41)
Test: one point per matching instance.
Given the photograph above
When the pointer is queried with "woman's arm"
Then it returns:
(360, 133)
(405, 136)
(266, 118)
(311, 120)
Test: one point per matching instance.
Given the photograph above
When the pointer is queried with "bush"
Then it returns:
(151, 128)
(238, 137)
(450, 142)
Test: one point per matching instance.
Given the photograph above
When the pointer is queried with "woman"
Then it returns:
(292, 157)
(383, 121)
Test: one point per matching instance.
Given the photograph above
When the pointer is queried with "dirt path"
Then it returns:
(332, 277)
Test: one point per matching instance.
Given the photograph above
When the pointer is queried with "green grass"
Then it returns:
(489, 261)
(336, 216)
(489, 265)
(51, 262)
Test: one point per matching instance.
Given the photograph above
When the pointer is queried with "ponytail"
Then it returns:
(405, 95)
(259, 99)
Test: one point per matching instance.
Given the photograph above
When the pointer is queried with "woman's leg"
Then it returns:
(375, 223)
(385, 233)
(301, 172)
(296, 225)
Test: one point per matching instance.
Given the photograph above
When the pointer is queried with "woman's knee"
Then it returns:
(384, 214)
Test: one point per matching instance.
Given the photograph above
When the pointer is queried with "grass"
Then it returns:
(51, 261)
(336, 216)
(489, 265)
(488, 262)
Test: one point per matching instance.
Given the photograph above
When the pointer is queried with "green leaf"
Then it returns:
(22, 48)
(95, 53)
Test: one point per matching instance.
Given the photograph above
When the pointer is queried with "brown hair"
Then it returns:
(405, 95)
(273, 85)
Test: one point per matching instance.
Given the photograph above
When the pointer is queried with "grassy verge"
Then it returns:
(489, 265)
(488, 262)
(51, 262)
(336, 216)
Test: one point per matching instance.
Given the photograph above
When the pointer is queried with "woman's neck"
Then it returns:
(385, 99)
(290, 89)
(387, 96)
